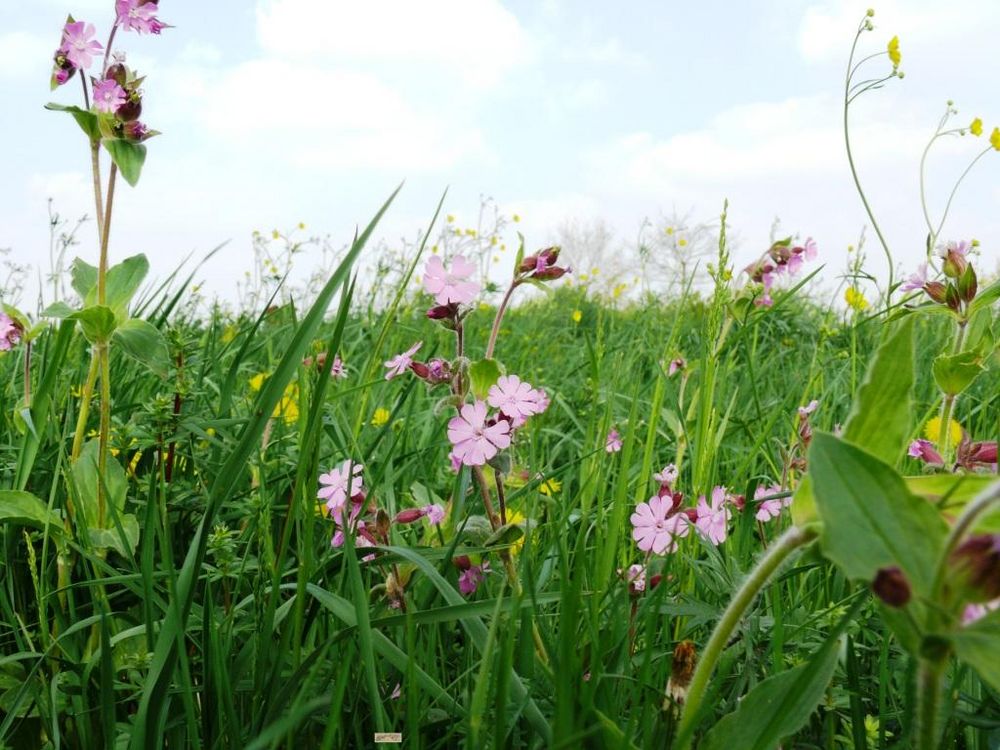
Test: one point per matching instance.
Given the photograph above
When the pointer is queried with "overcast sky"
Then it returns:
(281, 111)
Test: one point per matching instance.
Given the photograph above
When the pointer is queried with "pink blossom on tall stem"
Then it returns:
(108, 96)
(925, 451)
(656, 526)
(514, 398)
(471, 577)
(401, 362)
(613, 442)
(340, 483)
(768, 509)
(476, 442)
(434, 513)
(10, 332)
(713, 517)
(636, 578)
(917, 280)
(138, 16)
(450, 286)
(667, 475)
(78, 44)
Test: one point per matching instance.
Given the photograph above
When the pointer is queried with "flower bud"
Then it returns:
(954, 263)
(936, 291)
(462, 562)
(890, 585)
(410, 515)
(131, 109)
(977, 560)
(134, 131)
(118, 72)
(443, 312)
(968, 284)
(551, 273)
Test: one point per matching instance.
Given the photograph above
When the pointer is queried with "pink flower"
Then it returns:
(974, 612)
(613, 443)
(138, 16)
(401, 362)
(794, 264)
(676, 365)
(340, 483)
(10, 332)
(337, 369)
(805, 411)
(917, 280)
(456, 462)
(475, 441)
(636, 577)
(768, 509)
(656, 527)
(811, 250)
(667, 476)
(434, 513)
(108, 96)
(450, 286)
(78, 44)
(925, 451)
(471, 577)
(712, 518)
(514, 398)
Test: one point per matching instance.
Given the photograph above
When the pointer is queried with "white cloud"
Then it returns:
(479, 40)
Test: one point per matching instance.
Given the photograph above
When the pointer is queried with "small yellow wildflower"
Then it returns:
(484, 307)
(583, 277)
(976, 128)
(450, 218)
(669, 231)
(470, 232)
(275, 234)
(550, 487)
(514, 517)
(229, 334)
(855, 299)
(516, 218)
(995, 138)
(933, 431)
(257, 381)
(893, 49)
(682, 242)
(380, 417)
(302, 225)
(496, 258)
(617, 291)
(434, 249)
(594, 271)
(577, 316)
(288, 406)
(493, 241)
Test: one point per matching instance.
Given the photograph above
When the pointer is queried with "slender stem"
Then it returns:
(948, 403)
(86, 395)
(95, 168)
(484, 491)
(86, 95)
(928, 702)
(107, 49)
(500, 498)
(791, 540)
(954, 190)
(499, 318)
(27, 375)
(105, 429)
(102, 269)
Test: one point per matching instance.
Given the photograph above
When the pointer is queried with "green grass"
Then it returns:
(234, 624)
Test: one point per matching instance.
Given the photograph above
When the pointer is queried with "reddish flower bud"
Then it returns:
(462, 562)
(118, 72)
(968, 284)
(551, 273)
(936, 291)
(955, 264)
(443, 312)
(891, 586)
(977, 560)
(131, 109)
(410, 515)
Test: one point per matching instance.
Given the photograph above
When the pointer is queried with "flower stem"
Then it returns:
(948, 403)
(791, 540)
(501, 311)
(928, 702)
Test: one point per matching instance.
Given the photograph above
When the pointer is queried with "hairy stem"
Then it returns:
(948, 403)
(791, 540)
(86, 395)
(928, 702)
(501, 311)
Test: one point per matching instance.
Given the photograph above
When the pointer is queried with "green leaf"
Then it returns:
(950, 493)
(879, 420)
(976, 645)
(123, 281)
(83, 277)
(97, 321)
(144, 343)
(86, 120)
(871, 520)
(85, 481)
(24, 509)
(484, 373)
(112, 539)
(985, 298)
(58, 310)
(953, 373)
(505, 535)
(128, 156)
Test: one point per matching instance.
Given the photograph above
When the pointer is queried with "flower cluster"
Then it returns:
(11, 332)
(960, 284)
(783, 258)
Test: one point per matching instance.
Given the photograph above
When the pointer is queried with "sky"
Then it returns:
(276, 112)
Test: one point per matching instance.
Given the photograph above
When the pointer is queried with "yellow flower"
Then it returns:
(450, 218)
(893, 49)
(516, 218)
(257, 381)
(617, 291)
(470, 232)
(302, 225)
(669, 230)
(380, 417)
(229, 334)
(594, 271)
(577, 316)
(493, 241)
(681, 242)
(976, 128)
(933, 431)
(288, 406)
(514, 516)
(550, 487)
(434, 249)
(995, 138)
(275, 234)
(855, 299)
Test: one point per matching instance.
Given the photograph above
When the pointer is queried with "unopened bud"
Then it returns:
(410, 515)
(978, 561)
(968, 284)
(954, 264)
(936, 291)
(890, 585)
(117, 72)
(681, 671)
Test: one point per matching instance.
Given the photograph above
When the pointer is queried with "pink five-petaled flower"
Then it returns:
(10, 332)
(475, 441)
(925, 451)
(656, 527)
(450, 286)
(713, 517)
(341, 483)
(434, 513)
(768, 509)
(636, 577)
(613, 443)
(471, 577)
(667, 476)
(401, 362)
(78, 44)
(108, 96)
(138, 16)
(810, 248)
(514, 398)
(917, 280)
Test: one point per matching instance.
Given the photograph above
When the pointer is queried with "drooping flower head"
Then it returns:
(714, 516)
(676, 365)
(450, 286)
(475, 440)
(917, 280)
(401, 362)
(893, 49)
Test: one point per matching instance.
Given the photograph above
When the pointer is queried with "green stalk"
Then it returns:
(948, 403)
(790, 541)
(928, 702)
